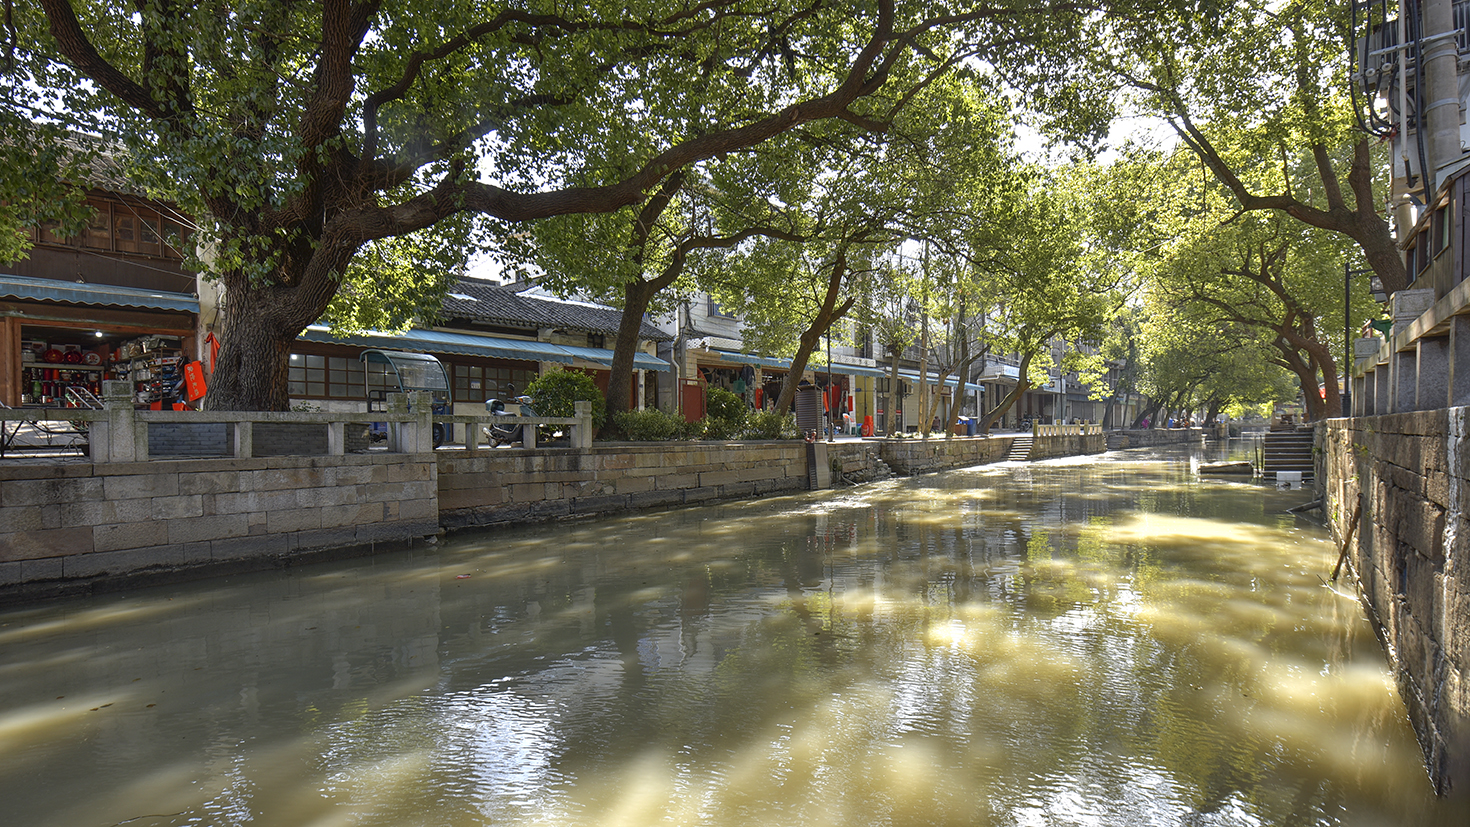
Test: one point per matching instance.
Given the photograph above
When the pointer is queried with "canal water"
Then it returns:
(1100, 641)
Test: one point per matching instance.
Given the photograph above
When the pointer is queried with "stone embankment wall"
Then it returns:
(71, 527)
(921, 456)
(489, 487)
(65, 527)
(1148, 437)
(1050, 447)
(1407, 478)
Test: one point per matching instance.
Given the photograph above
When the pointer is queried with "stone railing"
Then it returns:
(119, 433)
(1037, 429)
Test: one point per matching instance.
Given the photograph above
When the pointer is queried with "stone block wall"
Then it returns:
(270, 439)
(492, 486)
(1407, 476)
(1070, 445)
(1148, 437)
(919, 456)
(857, 462)
(64, 527)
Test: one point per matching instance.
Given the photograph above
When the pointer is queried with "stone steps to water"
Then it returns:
(1287, 451)
(1020, 448)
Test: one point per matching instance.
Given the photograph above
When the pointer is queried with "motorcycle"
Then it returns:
(509, 432)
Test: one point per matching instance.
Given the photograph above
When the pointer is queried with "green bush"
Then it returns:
(724, 405)
(691, 430)
(721, 429)
(649, 425)
(556, 393)
(771, 425)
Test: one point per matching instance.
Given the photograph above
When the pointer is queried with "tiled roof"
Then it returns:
(485, 301)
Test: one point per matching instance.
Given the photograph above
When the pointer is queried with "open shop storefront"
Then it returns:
(60, 341)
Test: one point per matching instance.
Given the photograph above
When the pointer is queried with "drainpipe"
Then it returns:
(1442, 92)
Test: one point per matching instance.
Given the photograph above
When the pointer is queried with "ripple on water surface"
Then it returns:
(1098, 642)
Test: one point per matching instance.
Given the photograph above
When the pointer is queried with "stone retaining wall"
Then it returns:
(1072, 445)
(489, 487)
(1408, 477)
(921, 456)
(1144, 438)
(69, 527)
(65, 527)
(270, 439)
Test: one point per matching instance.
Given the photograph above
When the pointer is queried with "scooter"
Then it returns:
(509, 432)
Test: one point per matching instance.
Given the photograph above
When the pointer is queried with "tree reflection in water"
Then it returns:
(1109, 641)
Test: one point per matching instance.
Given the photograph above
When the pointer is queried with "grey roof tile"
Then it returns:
(485, 301)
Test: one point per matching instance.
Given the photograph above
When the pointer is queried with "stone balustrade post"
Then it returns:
(114, 439)
(397, 431)
(582, 431)
(421, 405)
(418, 434)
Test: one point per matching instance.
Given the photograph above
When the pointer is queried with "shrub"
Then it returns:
(691, 430)
(715, 428)
(649, 425)
(556, 393)
(723, 405)
(771, 425)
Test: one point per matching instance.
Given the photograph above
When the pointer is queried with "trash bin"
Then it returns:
(808, 408)
(964, 427)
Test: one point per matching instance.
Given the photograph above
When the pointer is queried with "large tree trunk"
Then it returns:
(892, 419)
(827, 315)
(1022, 385)
(636, 297)
(251, 372)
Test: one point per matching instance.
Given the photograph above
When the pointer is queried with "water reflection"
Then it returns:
(1093, 641)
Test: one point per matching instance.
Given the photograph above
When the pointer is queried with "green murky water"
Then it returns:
(1100, 642)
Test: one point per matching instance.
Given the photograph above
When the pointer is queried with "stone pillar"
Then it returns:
(1382, 391)
(1362, 394)
(337, 438)
(114, 439)
(398, 432)
(581, 438)
(417, 435)
(1404, 367)
(244, 440)
(1407, 306)
(1431, 380)
(1459, 358)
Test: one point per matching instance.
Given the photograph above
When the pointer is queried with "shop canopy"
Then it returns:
(469, 344)
(69, 292)
(785, 364)
(951, 381)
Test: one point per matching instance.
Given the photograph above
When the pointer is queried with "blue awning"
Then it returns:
(854, 370)
(52, 290)
(952, 381)
(469, 344)
(751, 359)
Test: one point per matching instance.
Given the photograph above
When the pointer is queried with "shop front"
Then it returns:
(325, 369)
(60, 340)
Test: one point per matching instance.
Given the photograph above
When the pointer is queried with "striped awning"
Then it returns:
(108, 295)
(469, 344)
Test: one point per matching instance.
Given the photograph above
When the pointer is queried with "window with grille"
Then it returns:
(478, 382)
(314, 376)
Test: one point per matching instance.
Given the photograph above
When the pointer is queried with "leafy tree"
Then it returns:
(301, 134)
(1050, 284)
(1251, 93)
(1260, 282)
